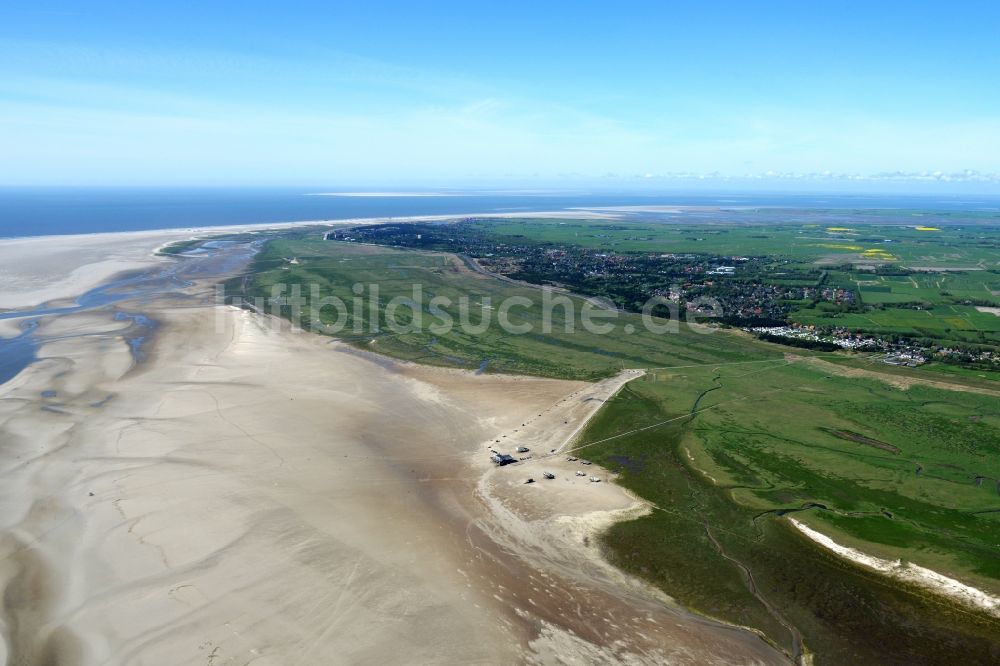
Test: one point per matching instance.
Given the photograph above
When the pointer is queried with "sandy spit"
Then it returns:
(911, 573)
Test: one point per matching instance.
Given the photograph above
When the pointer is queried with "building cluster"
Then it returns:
(739, 284)
(756, 299)
(984, 357)
(896, 352)
(840, 337)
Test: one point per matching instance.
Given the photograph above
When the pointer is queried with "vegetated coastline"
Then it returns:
(909, 572)
(793, 650)
(319, 535)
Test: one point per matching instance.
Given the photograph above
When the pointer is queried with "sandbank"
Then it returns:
(251, 494)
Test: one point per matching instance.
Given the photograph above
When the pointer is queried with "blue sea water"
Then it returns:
(47, 211)
(17, 352)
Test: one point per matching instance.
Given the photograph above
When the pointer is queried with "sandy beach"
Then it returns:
(243, 493)
(41, 269)
(908, 572)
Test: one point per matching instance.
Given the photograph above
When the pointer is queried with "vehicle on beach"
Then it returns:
(594, 479)
(502, 459)
(548, 475)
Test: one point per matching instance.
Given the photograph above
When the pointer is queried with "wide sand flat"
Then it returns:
(39, 269)
(252, 495)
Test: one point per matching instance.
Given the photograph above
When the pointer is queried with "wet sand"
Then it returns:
(40, 269)
(43, 269)
(248, 494)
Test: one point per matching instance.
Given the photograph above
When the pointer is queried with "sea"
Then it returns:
(49, 211)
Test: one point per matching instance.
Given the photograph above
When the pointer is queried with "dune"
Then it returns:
(908, 572)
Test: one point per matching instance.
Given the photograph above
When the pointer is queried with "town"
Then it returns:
(739, 284)
(758, 294)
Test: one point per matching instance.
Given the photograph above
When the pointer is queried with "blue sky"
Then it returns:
(458, 94)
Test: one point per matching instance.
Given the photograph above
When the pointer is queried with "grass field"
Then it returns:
(178, 247)
(958, 371)
(761, 442)
(336, 267)
(925, 287)
(951, 247)
(941, 321)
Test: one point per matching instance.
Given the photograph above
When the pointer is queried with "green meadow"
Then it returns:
(925, 287)
(771, 233)
(781, 438)
(550, 352)
(947, 322)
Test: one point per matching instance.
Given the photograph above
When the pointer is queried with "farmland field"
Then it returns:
(940, 319)
(911, 279)
(950, 247)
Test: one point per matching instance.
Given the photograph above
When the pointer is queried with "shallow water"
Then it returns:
(137, 333)
(214, 258)
(18, 352)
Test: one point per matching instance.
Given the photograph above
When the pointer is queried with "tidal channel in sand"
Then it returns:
(242, 493)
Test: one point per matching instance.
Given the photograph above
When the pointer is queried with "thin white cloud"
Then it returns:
(350, 119)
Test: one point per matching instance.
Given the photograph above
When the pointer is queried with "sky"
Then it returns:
(461, 94)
